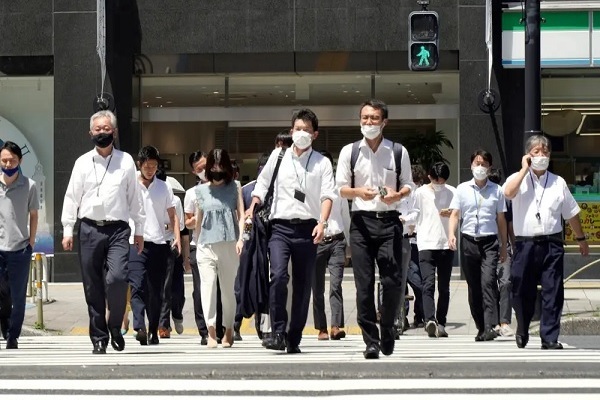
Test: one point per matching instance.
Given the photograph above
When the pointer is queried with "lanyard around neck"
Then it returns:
(103, 176)
(538, 202)
(305, 170)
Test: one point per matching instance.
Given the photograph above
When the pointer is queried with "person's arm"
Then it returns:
(406, 181)
(241, 221)
(174, 222)
(185, 252)
(33, 224)
(71, 204)
(263, 181)
(343, 178)
(135, 204)
(575, 223)
(502, 231)
(511, 187)
(452, 226)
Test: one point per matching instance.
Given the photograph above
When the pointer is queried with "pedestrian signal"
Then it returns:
(423, 41)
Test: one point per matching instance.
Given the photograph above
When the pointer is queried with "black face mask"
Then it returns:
(103, 140)
(218, 175)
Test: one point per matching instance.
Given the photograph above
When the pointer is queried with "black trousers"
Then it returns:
(429, 262)
(197, 299)
(380, 240)
(295, 242)
(146, 276)
(103, 257)
(330, 256)
(174, 291)
(479, 263)
(416, 283)
(541, 262)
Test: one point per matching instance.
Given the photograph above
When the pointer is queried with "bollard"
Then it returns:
(30, 280)
(38, 293)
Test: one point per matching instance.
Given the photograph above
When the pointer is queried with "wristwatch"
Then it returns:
(325, 224)
(581, 239)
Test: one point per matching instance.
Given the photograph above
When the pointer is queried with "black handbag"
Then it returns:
(264, 210)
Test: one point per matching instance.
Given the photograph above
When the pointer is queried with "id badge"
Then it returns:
(538, 229)
(300, 196)
(98, 208)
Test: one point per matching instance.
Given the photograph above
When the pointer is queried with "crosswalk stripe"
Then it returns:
(185, 350)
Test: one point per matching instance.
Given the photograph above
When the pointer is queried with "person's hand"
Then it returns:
(187, 267)
(391, 196)
(249, 212)
(366, 193)
(239, 246)
(138, 241)
(503, 253)
(452, 242)
(526, 161)
(176, 245)
(317, 233)
(67, 243)
(584, 248)
(445, 212)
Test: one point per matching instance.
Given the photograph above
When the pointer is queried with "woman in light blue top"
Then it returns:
(219, 223)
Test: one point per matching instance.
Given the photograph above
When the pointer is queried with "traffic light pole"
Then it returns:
(533, 97)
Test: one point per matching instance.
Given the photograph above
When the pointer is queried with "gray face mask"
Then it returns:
(540, 163)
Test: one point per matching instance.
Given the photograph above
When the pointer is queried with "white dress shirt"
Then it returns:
(373, 169)
(479, 207)
(103, 189)
(190, 206)
(158, 198)
(432, 229)
(547, 195)
(339, 218)
(170, 235)
(406, 207)
(311, 174)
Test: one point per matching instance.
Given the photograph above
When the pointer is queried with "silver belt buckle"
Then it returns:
(327, 239)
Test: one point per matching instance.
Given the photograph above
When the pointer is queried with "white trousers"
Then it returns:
(217, 260)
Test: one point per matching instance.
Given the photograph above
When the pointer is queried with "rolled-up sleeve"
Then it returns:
(134, 201)
(343, 175)
(570, 208)
(406, 179)
(264, 178)
(327, 182)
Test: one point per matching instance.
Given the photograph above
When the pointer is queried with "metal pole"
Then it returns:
(38, 292)
(533, 98)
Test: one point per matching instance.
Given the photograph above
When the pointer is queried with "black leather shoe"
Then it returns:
(142, 337)
(293, 350)
(486, 336)
(116, 339)
(266, 338)
(371, 352)
(277, 342)
(99, 347)
(479, 337)
(203, 340)
(14, 344)
(237, 337)
(545, 346)
(153, 339)
(521, 340)
(387, 347)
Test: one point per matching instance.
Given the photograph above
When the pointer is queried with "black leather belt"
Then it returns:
(331, 238)
(102, 222)
(378, 214)
(412, 235)
(480, 239)
(295, 221)
(555, 237)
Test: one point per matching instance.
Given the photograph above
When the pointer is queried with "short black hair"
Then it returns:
(418, 174)
(148, 153)
(495, 175)
(484, 154)
(219, 157)
(376, 104)
(195, 157)
(262, 161)
(327, 155)
(13, 148)
(306, 115)
(439, 170)
(161, 174)
(284, 138)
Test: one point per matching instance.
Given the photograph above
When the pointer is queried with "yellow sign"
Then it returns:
(590, 222)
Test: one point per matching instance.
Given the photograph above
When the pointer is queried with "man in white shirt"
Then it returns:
(432, 202)
(103, 193)
(480, 204)
(376, 183)
(301, 206)
(540, 200)
(147, 270)
(331, 255)
(197, 161)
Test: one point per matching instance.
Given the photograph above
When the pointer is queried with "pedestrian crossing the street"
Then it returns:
(182, 350)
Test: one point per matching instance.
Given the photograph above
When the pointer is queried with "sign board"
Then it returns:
(590, 222)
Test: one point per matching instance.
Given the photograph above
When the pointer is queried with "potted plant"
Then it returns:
(425, 149)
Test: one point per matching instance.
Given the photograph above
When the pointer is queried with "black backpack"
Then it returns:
(397, 148)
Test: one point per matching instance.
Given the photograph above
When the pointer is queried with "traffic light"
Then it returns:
(423, 41)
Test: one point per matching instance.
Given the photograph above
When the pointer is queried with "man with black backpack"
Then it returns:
(375, 173)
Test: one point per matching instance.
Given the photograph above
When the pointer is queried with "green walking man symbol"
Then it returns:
(424, 54)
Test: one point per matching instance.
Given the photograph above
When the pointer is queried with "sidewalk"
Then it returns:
(67, 314)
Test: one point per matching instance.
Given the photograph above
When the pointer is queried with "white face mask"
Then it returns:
(302, 139)
(437, 186)
(202, 175)
(540, 163)
(370, 131)
(479, 172)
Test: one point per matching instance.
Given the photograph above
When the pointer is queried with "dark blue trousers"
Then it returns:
(541, 262)
(14, 268)
(146, 277)
(293, 241)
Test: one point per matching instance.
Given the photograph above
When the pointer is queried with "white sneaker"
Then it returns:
(506, 331)
(441, 331)
(178, 326)
(431, 328)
